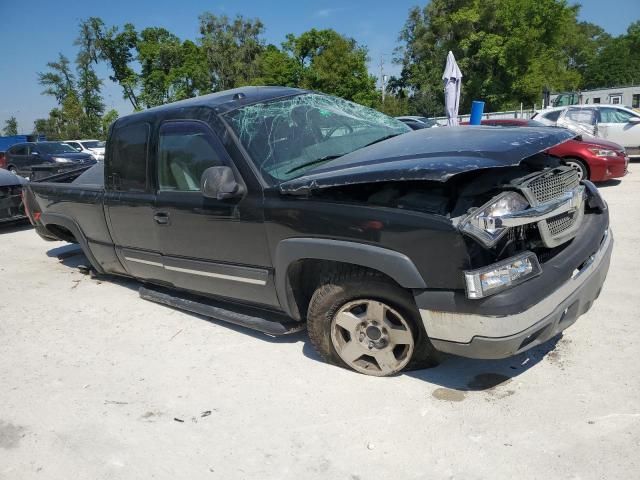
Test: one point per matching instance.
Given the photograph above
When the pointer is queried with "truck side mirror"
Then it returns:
(219, 183)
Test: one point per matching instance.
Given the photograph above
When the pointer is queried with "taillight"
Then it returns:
(3, 160)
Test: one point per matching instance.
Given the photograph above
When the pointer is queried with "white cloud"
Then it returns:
(327, 12)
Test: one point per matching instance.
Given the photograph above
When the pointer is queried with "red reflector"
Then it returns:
(36, 216)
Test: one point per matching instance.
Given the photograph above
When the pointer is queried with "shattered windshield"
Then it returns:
(287, 137)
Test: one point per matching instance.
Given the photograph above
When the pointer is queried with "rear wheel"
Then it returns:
(362, 321)
(13, 170)
(579, 166)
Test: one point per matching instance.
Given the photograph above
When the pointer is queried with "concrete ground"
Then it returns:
(96, 383)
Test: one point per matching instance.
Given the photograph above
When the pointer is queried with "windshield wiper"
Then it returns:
(387, 137)
(313, 162)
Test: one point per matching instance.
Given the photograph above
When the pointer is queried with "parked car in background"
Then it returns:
(11, 207)
(44, 157)
(95, 148)
(610, 122)
(595, 159)
(417, 122)
(304, 208)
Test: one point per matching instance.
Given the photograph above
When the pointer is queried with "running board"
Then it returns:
(267, 322)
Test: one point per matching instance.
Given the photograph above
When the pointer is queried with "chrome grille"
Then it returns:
(548, 187)
(560, 223)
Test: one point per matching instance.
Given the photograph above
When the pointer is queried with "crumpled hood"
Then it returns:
(430, 154)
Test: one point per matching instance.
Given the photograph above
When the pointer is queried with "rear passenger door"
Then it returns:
(17, 158)
(130, 202)
(211, 246)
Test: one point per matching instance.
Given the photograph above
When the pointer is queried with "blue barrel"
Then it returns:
(477, 108)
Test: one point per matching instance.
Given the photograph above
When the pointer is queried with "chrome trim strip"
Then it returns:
(146, 262)
(202, 273)
(461, 328)
(216, 275)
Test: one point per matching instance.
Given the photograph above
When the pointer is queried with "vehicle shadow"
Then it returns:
(16, 226)
(71, 256)
(609, 183)
(455, 373)
(466, 374)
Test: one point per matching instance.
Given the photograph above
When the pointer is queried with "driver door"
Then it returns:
(210, 246)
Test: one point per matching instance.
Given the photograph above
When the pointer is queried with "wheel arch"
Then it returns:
(54, 221)
(295, 255)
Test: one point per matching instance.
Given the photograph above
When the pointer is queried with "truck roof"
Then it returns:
(226, 100)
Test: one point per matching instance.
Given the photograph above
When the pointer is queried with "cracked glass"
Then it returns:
(288, 137)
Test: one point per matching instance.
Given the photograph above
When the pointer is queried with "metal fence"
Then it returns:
(527, 114)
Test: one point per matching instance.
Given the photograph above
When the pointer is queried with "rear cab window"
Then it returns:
(127, 170)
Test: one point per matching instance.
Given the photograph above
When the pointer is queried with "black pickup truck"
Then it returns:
(278, 208)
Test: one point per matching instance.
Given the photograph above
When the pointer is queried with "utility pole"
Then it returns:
(383, 77)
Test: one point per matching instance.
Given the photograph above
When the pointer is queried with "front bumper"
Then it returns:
(492, 336)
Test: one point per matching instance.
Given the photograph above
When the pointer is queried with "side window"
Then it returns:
(584, 116)
(128, 166)
(74, 145)
(185, 150)
(19, 150)
(614, 115)
(553, 116)
(596, 100)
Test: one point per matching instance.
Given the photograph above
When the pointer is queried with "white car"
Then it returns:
(612, 122)
(94, 148)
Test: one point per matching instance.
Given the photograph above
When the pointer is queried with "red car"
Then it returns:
(594, 158)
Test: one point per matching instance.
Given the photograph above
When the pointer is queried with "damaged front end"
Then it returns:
(514, 212)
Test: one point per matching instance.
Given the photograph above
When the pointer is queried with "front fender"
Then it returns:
(396, 265)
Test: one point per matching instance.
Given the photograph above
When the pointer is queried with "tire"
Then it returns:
(579, 166)
(13, 170)
(360, 320)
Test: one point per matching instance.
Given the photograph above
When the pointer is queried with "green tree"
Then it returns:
(11, 126)
(332, 63)
(231, 48)
(59, 81)
(508, 51)
(616, 62)
(88, 83)
(275, 67)
(171, 70)
(118, 49)
(108, 118)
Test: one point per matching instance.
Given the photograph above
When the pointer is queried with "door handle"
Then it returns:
(161, 218)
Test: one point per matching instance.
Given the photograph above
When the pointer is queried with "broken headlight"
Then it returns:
(483, 223)
(502, 275)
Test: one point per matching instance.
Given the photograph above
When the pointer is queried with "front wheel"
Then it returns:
(578, 166)
(362, 321)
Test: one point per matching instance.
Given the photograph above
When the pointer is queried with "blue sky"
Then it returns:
(34, 32)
